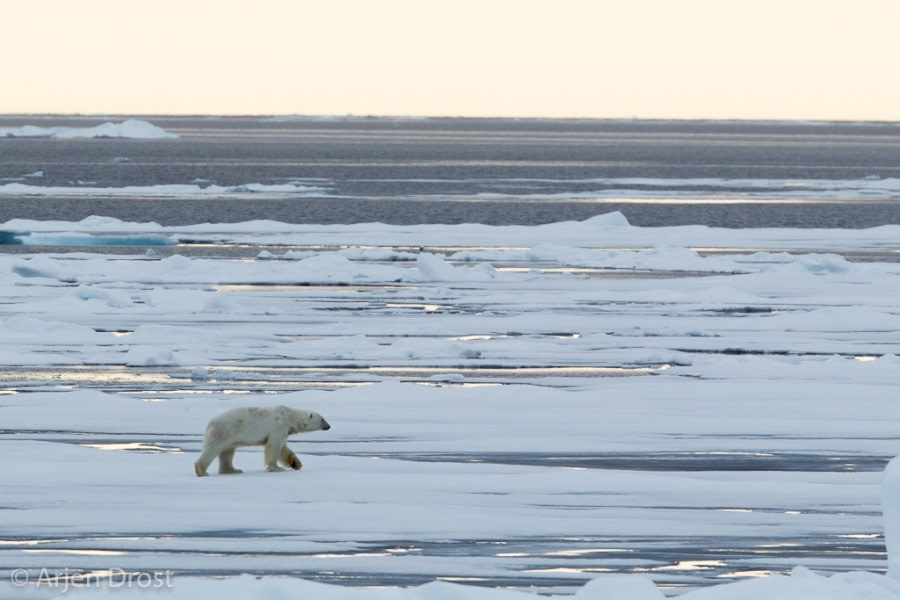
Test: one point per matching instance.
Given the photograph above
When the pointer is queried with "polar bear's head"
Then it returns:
(307, 420)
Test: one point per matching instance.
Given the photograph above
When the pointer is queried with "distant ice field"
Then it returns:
(407, 171)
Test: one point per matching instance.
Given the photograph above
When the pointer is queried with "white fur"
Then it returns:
(250, 426)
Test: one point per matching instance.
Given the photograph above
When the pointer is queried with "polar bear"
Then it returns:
(249, 426)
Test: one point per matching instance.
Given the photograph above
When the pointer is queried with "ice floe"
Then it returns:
(608, 231)
(130, 128)
(164, 190)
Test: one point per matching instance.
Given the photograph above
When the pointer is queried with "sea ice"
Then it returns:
(782, 363)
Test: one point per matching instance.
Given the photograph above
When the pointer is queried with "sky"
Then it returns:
(681, 59)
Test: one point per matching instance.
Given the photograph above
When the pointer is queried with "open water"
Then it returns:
(491, 171)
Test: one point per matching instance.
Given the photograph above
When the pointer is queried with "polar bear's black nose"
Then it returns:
(325, 425)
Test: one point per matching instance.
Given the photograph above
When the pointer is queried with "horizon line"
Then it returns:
(372, 116)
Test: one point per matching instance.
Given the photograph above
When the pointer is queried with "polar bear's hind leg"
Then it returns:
(274, 444)
(206, 458)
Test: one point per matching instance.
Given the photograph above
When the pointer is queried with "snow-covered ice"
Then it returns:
(478, 434)
(130, 128)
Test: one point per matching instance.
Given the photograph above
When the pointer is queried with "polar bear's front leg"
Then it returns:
(200, 469)
(273, 450)
(225, 466)
(289, 459)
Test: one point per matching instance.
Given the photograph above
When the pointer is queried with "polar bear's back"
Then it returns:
(249, 425)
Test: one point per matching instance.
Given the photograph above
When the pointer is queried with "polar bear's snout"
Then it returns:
(325, 425)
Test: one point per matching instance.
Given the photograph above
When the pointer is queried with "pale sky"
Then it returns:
(752, 59)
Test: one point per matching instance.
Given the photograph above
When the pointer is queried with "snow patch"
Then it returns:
(113, 299)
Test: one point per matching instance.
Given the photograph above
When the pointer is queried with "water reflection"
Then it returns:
(746, 574)
(134, 446)
(691, 565)
(546, 565)
(75, 552)
(158, 382)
